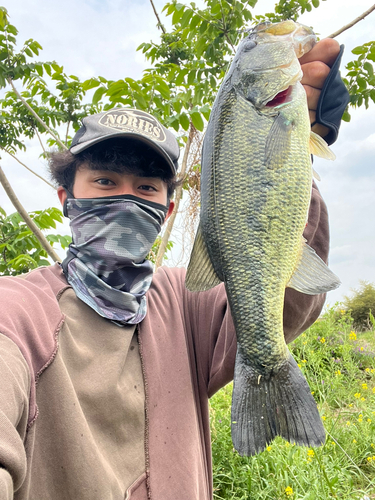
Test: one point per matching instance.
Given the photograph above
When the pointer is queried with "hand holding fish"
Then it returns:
(316, 65)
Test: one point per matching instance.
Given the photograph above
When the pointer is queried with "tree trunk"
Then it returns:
(177, 199)
(30, 223)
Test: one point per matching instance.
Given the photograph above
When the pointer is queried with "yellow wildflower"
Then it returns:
(369, 420)
(352, 335)
(299, 366)
(363, 399)
(362, 348)
(360, 420)
(369, 459)
(354, 441)
(269, 448)
(288, 491)
(372, 445)
(367, 370)
(357, 395)
(304, 361)
(337, 373)
(348, 423)
(373, 390)
(322, 340)
(324, 417)
(310, 453)
(364, 386)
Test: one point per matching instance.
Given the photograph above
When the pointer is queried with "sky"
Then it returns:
(99, 37)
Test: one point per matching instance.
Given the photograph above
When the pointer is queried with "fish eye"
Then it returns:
(249, 44)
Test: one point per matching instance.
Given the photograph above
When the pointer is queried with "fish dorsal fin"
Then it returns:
(312, 276)
(200, 274)
(278, 142)
(319, 147)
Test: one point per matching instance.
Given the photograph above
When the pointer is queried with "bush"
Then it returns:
(361, 304)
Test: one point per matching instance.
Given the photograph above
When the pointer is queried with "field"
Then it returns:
(339, 365)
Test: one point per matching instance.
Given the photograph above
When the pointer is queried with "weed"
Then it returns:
(339, 364)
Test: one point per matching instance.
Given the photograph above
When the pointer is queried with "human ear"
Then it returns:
(170, 209)
(61, 193)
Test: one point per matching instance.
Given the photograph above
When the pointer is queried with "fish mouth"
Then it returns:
(280, 98)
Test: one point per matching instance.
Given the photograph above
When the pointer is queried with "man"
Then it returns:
(105, 369)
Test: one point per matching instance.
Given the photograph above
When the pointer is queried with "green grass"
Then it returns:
(339, 365)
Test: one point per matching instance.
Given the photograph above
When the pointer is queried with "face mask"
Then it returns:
(105, 263)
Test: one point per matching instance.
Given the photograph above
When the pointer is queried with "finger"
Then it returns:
(317, 127)
(315, 74)
(325, 51)
(312, 95)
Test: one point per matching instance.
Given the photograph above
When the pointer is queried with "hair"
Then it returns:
(121, 155)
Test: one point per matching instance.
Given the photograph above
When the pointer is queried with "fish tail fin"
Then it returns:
(278, 404)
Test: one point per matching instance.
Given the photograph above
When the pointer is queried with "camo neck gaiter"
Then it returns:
(105, 263)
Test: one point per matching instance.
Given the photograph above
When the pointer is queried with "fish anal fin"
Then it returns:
(277, 404)
(312, 276)
(319, 147)
(200, 274)
(278, 142)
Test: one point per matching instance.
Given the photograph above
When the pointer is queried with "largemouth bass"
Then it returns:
(255, 192)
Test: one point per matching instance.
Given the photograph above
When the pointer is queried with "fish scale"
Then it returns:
(255, 192)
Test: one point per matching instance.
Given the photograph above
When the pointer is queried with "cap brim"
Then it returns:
(78, 148)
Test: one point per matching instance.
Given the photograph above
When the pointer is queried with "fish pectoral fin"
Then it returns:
(312, 276)
(278, 142)
(316, 175)
(200, 274)
(319, 147)
(276, 404)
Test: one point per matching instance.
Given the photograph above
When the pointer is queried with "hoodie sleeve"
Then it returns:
(14, 405)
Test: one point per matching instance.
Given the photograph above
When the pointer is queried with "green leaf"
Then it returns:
(372, 94)
(186, 18)
(197, 120)
(90, 84)
(184, 121)
(191, 77)
(359, 50)
(368, 67)
(361, 82)
(180, 77)
(163, 88)
(98, 94)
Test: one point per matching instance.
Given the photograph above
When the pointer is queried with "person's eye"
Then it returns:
(146, 187)
(103, 181)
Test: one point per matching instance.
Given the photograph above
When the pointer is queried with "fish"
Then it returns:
(256, 183)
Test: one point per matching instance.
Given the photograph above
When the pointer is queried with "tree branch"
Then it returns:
(40, 140)
(10, 81)
(160, 24)
(346, 27)
(172, 218)
(29, 169)
(29, 222)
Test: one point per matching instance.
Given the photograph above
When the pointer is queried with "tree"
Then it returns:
(20, 249)
(361, 304)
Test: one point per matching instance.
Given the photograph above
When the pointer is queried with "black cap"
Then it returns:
(130, 123)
